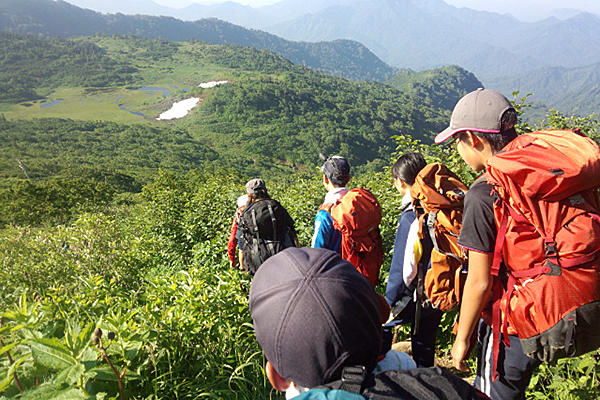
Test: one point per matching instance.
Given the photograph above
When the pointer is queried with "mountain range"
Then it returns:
(576, 90)
(345, 58)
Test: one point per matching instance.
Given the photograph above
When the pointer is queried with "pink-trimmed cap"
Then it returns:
(480, 111)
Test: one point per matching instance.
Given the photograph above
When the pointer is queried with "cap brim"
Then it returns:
(445, 135)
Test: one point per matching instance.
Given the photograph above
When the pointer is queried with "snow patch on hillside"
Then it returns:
(207, 85)
(179, 109)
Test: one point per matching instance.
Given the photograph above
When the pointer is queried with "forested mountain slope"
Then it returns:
(497, 63)
(415, 34)
(441, 87)
(345, 58)
(572, 90)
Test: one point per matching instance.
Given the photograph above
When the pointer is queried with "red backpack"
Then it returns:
(357, 215)
(548, 217)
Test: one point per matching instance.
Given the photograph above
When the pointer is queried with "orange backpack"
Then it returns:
(438, 196)
(548, 217)
(357, 215)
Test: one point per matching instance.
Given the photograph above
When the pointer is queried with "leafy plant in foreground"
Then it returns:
(52, 359)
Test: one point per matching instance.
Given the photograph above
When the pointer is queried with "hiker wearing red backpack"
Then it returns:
(531, 226)
(336, 174)
(348, 221)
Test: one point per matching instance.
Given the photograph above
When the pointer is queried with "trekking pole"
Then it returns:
(419, 292)
(418, 300)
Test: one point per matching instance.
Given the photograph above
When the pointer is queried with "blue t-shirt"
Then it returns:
(326, 236)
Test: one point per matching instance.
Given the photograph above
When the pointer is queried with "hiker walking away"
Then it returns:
(348, 221)
(232, 244)
(336, 175)
(531, 226)
(264, 227)
(318, 321)
(402, 279)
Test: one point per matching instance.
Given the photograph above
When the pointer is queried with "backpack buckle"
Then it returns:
(495, 197)
(353, 378)
(550, 250)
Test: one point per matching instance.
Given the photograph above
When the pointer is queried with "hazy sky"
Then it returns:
(523, 9)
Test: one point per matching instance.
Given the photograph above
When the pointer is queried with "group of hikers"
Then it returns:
(517, 253)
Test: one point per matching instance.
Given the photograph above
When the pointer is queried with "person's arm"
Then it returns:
(240, 242)
(396, 285)
(291, 228)
(323, 230)
(241, 258)
(409, 271)
(475, 295)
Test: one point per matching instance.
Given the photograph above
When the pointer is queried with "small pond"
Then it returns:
(52, 103)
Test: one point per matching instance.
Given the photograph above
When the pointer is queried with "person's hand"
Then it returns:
(460, 352)
(233, 263)
(390, 317)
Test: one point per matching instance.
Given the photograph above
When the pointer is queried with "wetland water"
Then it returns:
(122, 107)
(52, 103)
(178, 110)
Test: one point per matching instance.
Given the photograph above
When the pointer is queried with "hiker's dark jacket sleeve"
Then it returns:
(478, 231)
(396, 286)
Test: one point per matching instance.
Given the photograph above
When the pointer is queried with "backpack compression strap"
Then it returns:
(431, 217)
(353, 378)
(256, 233)
(273, 222)
(274, 225)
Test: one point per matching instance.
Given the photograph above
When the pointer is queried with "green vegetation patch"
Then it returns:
(47, 146)
(440, 87)
(27, 63)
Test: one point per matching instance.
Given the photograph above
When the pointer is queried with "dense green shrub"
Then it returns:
(157, 276)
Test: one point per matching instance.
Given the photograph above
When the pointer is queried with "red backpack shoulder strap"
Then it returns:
(326, 207)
